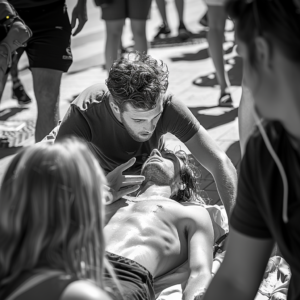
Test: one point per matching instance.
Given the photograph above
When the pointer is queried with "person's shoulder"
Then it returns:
(273, 131)
(256, 146)
(93, 95)
(190, 211)
(83, 290)
(171, 101)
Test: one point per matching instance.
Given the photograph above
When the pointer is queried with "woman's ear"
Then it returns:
(263, 52)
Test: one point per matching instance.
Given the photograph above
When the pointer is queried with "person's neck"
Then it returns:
(290, 114)
(150, 189)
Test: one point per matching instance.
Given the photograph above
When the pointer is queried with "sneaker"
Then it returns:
(183, 33)
(162, 30)
(19, 94)
(225, 100)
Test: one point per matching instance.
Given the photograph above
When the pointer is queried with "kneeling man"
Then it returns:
(152, 234)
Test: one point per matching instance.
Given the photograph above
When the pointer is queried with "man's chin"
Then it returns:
(141, 138)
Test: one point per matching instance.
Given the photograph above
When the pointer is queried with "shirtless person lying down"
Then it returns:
(152, 234)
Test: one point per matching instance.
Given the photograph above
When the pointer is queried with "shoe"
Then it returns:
(19, 94)
(162, 29)
(184, 34)
(225, 100)
(204, 21)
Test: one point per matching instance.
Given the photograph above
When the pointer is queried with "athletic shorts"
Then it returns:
(215, 2)
(50, 44)
(135, 280)
(122, 9)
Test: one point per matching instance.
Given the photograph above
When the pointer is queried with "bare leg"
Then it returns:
(46, 84)
(138, 28)
(113, 39)
(180, 8)
(215, 37)
(161, 5)
(246, 119)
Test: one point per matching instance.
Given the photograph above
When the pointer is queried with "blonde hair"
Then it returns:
(51, 212)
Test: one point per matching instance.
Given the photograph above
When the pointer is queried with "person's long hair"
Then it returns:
(51, 212)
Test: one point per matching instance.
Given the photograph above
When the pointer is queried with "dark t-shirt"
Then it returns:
(32, 3)
(258, 210)
(38, 285)
(91, 118)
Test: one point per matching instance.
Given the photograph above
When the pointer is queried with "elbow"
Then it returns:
(203, 275)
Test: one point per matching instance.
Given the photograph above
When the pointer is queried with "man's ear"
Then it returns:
(114, 107)
(263, 52)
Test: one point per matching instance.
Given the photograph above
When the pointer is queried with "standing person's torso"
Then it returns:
(263, 186)
(150, 232)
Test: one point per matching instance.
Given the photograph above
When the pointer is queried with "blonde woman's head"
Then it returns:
(51, 212)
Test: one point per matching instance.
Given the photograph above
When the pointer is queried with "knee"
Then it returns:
(114, 31)
(47, 95)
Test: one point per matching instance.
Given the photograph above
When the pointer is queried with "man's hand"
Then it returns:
(121, 185)
(79, 13)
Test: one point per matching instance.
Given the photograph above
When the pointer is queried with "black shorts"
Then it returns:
(135, 280)
(122, 9)
(50, 44)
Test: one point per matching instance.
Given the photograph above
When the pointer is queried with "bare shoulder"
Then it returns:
(83, 290)
(195, 215)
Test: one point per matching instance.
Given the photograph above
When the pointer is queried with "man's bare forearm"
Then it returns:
(226, 181)
(196, 285)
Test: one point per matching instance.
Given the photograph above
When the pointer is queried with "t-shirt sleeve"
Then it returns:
(247, 216)
(74, 124)
(179, 120)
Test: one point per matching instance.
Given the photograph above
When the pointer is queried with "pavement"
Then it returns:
(191, 79)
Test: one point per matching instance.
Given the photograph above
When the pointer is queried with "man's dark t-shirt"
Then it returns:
(32, 3)
(91, 118)
(258, 210)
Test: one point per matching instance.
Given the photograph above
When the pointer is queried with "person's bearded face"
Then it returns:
(162, 168)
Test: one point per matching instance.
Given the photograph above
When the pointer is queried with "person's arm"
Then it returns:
(242, 270)
(83, 289)
(200, 243)
(215, 160)
(79, 13)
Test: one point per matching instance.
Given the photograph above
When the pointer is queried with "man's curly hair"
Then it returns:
(190, 176)
(137, 79)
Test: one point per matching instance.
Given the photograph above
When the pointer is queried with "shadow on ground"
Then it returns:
(235, 74)
(200, 55)
(6, 113)
(195, 38)
(9, 151)
(211, 121)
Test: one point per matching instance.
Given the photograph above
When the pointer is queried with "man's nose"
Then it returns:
(150, 128)
(155, 152)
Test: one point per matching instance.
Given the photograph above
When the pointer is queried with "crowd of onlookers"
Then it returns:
(53, 195)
